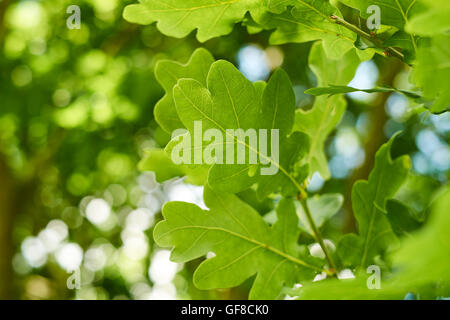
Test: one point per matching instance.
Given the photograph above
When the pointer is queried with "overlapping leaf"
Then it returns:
(242, 242)
(309, 20)
(322, 208)
(432, 70)
(318, 122)
(393, 12)
(177, 18)
(422, 260)
(431, 21)
(369, 207)
(159, 162)
(424, 257)
(168, 73)
(231, 102)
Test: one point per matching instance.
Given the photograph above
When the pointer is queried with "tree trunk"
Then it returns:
(7, 201)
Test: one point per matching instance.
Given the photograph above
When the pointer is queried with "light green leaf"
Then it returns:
(159, 162)
(369, 206)
(242, 242)
(326, 113)
(431, 21)
(393, 12)
(432, 70)
(322, 207)
(424, 257)
(309, 20)
(168, 73)
(347, 289)
(231, 102)
(177, 18)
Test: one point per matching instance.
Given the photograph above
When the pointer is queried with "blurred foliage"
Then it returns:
(76, 118)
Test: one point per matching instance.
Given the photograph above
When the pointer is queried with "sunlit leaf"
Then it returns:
(242, 242)
(168, 73)
(231, 102)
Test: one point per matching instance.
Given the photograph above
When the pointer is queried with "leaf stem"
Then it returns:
(388, 51)
(317, 234)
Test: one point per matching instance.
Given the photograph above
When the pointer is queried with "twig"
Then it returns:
(317, 234)
(388, 51)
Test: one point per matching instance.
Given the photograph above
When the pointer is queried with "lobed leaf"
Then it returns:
(158, 161)
(243, 244)
(168, 73)
(431, 21)
(431, 73)
(177, 18)
(309, 20)
(231, 102)
(369, 207)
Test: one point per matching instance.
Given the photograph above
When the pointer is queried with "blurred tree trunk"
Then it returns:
(7, 212)
(388, 70)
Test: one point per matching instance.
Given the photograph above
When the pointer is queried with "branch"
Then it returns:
(317, 234)
(388, 51)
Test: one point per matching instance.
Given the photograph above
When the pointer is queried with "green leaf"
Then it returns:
(262, 206)
(424, 257)
(393, 12)
(403, 40)
(168, 73)
(417, 193)
(177, 18)
(431, 21)
(309, 20)
(402, 219)
(159, 162)
(242, 242)
(432, 70)
(333, 89)
(322, 208)
(231, 102)
(346, 289)
(369, 206)
(326, 112)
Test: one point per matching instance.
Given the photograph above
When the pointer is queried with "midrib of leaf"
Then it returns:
(313, 28)
(314, 9)
(251, 240)
(231, 100)
(219, 16)
(234, 218)
(234, 174)
(278, 165)
(242, 256)
(327, 18)
(372, 218)
(277, 89)
(274, 270)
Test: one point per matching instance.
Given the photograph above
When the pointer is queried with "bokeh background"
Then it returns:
(76, 115)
